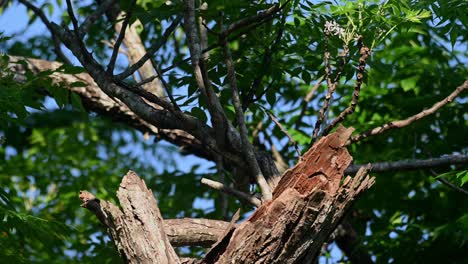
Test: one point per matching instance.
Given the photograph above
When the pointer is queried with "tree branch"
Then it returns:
(38, 12)
(331, 89)
(120, 38)
(291, 139)
(364, 51)
(225, 133)
(413, 164)
(305, 102)
(251, 199)
(94, 99)
(411, 119)
(247, 148)
(253, 19)
(89, 21)
(161, 41)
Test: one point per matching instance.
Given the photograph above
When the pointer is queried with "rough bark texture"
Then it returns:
(306, 207)
(137, 230)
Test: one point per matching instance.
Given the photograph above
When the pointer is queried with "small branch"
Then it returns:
(344, 54)
(364, 52)
(331, 89)
(251, 199)
(305, 102)
(273, 118)
(38, 12)
(452, 186)
(164, 84)
(161, 41)
(414, 164)
(89, 21)
(247, 148)
(263, 15)
(71, 14)
(148, 80)
(115, 51)
(411, 119)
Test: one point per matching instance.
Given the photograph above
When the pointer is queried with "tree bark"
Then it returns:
(306, 207)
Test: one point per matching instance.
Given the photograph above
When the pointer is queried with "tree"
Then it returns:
(254, 87)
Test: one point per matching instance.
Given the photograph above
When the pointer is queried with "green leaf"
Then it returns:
(199, 113)
(409, 83)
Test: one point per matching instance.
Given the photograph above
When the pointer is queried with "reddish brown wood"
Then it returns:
(306, 207)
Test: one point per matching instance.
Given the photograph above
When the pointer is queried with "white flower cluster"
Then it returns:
(334, 28)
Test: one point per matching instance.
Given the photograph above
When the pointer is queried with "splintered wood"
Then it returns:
(306, 207)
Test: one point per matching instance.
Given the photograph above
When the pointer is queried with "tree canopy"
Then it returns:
(184, 92)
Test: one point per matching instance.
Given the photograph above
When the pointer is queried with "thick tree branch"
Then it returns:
(223, 129)
(347, 240)
(181, 232)
(411, 119)
(413, 164)
(139, 215)
(95, 100)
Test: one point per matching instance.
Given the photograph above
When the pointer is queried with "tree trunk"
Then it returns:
(307, 205)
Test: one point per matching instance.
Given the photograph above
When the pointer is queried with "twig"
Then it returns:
(364, 54)
(247, 148)
(261, 16)
(275, 120)
(115, 51)
(306, 100)
(344, 54)
(413, 164)
(161, 41)
(164, 84)
(236, 193)
(449, 184)
(331, 89)
(411, 119)
(71, 14)
(89, 21)
(38, 12)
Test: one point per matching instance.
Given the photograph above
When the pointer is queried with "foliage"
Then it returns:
(53, 148)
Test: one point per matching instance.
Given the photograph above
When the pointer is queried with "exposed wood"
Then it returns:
(306, 207)
(137, 230)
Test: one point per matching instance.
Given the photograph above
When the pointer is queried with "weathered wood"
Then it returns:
(137, 230)
(306, 207)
